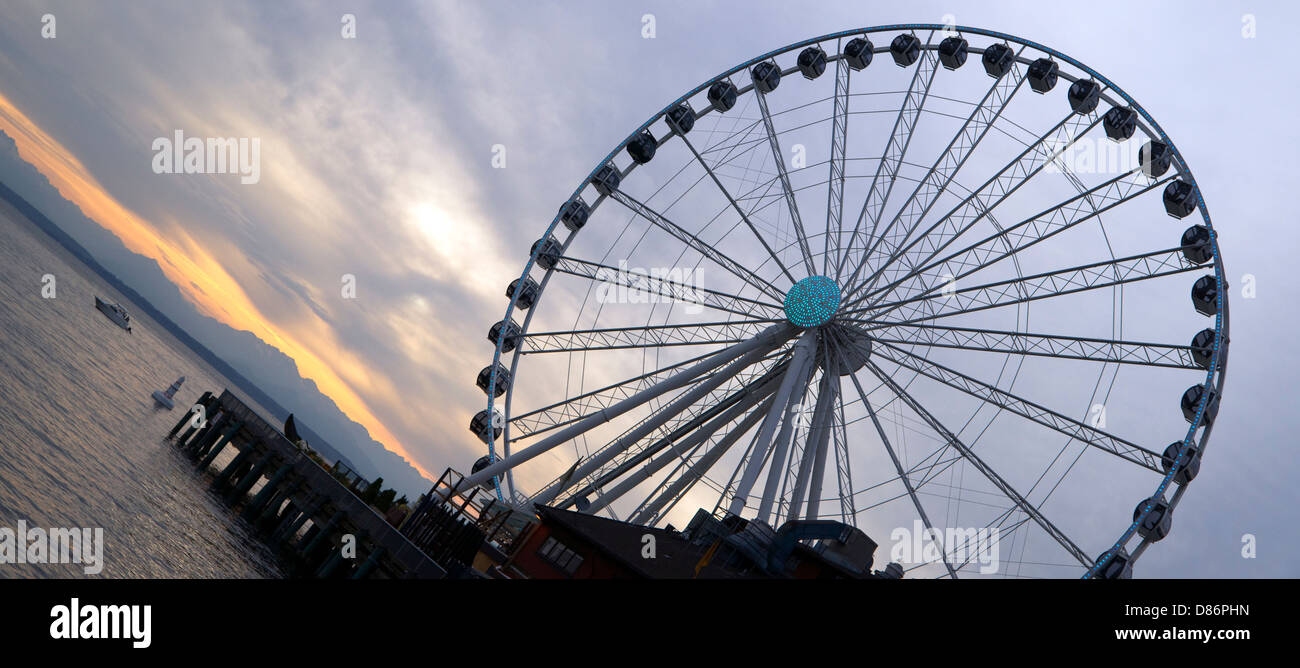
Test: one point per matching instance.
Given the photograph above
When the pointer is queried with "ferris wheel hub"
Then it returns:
(812, 301)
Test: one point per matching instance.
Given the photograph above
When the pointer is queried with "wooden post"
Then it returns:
(246, 482)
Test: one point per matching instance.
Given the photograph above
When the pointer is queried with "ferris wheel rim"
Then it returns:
(1215, 374)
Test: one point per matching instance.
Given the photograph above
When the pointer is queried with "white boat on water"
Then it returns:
(115, 312)
(164, 397)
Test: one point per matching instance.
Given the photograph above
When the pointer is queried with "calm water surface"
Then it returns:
(80, 438)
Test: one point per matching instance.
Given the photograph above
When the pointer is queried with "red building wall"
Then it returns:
(594, 565)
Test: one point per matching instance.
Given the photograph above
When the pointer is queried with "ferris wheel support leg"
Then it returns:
(660, 418)
(651, 511)
(798, 364)
(819, 437)
(784, 440)
(764, 342)
(679, 449)
(818, 475)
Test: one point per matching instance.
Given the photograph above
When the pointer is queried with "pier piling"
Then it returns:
(298, 493)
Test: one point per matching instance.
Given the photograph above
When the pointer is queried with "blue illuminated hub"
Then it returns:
(812, 301)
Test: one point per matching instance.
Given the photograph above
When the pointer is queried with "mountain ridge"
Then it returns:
(352, 443)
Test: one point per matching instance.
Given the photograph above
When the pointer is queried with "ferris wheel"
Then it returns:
(804, 289)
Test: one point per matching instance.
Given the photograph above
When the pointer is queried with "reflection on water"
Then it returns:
(80, 439)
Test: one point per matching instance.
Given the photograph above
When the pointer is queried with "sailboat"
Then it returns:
(164, 397)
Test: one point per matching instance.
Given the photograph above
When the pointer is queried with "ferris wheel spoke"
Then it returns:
(1046, 417)
(1046, 345)
(578, 407)
(730, 490)
(736, 206)
(729, 157)
(778, 159)
(783, 447)
(739, 140)
(898, 466)
(1009, 241)
(937, 180)
(1047, 285)
(812, 466)
(890, 163)
(843, 468)
(786, 447)
(835, 182)
(981, 202)
(746, 352)
(649, 430)
(700, 389)
(673, 446)
(694, 242)
(792, 380)
(649, 336)
(662, 500)
(654, 286)
(987, 471)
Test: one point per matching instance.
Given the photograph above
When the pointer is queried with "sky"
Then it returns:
(377, 163)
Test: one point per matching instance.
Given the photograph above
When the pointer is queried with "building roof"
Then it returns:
(675, 556)
(622, 543)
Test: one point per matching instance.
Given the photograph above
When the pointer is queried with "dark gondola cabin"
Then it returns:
(1084, 95)
(486, 383)
(953, 52)
(905, 49)
(1192, 400)
(509, 331)
(1202, 348)
(1042, 75)
(998, 60)
(527, 294)
(722, 95)
(812, 62)
(681, 118)
(641, 148)
(1196, 244)
(574, 214)
(480, 464)
(1120, 567)
(606, 179)
(481, 425)
(1120, 123)
(1155, 522)
(1191, 462)
(1205, 295)
(1155, 159)
(1180, 198)
(767, 76)
(858, 52)
(547, 251)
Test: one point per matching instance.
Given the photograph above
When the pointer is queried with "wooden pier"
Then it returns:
(314, 523)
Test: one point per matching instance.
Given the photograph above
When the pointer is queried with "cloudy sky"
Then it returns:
(376, 162)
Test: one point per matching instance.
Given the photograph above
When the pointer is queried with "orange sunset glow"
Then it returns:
(201, 278)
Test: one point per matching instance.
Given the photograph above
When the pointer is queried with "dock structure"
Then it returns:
(315, 524)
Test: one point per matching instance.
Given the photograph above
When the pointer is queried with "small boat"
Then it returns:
(164, 397)
(115, 312)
